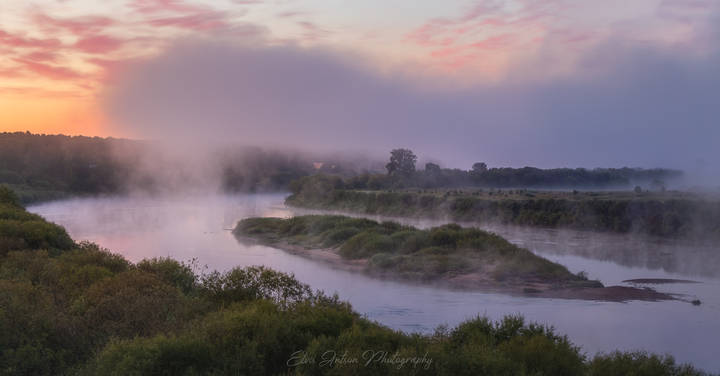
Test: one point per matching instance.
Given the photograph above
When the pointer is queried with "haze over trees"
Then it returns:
(44, 167)
(668, 214)
(402, 163)
(401, 173)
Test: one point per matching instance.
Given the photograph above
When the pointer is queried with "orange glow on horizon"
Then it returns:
(52, 116)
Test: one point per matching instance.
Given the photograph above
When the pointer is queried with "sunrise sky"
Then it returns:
(57, 57)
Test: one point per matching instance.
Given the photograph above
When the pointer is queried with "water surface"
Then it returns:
(197, 227)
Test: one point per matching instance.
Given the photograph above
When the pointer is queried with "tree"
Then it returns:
(432, 167)
(402, 162)
(479, 167)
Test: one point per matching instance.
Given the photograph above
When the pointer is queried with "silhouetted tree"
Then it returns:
(479, 167)
(402, 162)
(432, 167)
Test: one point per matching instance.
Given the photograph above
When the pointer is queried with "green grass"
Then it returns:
(410, 253)
(667, 214)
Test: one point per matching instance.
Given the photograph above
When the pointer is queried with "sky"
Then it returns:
(546, 83)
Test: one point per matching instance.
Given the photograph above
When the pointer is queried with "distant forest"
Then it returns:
(402, 173)
(43, 167)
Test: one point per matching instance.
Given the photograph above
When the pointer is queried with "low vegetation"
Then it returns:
(446, 253)
(77, 309)
(668, 214)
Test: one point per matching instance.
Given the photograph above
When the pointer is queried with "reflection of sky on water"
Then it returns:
(197, 227)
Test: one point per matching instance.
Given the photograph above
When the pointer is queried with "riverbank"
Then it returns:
(446, 256)
(670, 214)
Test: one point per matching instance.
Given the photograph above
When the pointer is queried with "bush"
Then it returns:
(8, 196)
(340, 235)
(159, 355)
(638, 363)
(366, 244)
(132, 303)
(172, 272)
(253, 283)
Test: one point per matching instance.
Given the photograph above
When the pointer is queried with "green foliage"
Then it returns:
(366, 244)
(402, 162)
(172, 272)
(22, 230)
(132, 303)
(638, 363)
(668, 214)
(8, 197)
(406, 252)
(253, 283)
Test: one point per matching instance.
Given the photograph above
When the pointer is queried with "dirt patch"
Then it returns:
(610, 293)
(658, 281)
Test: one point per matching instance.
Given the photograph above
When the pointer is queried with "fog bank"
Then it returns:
(625, 105)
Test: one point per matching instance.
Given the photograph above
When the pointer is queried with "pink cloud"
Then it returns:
(98, 44)
(312, 31)
(44, 56)
(77, 26)
(291, 13)
(162, 6)
(11, 73)
(50, 71)
(180, 14)
(488, 25)
(36, 92)
(200, 21)
(110, 68)
(492, 43)
(14, 40)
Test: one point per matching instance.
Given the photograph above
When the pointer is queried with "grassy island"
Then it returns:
(448, 255)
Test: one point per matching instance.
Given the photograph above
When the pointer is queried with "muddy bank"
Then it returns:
(658, 281)
(483, 282)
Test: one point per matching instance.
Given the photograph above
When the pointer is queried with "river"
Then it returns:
(197, 227)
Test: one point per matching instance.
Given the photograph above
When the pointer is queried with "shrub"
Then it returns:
(253, 283)
(366, 244)
(8, 196)
(340, 235)
(132, 303)
(172, 272)
(638, 363)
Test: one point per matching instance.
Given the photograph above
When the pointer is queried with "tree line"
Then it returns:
(42, 167)
(402, 173)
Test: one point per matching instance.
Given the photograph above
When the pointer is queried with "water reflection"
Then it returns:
(197, 227)
(632, 250)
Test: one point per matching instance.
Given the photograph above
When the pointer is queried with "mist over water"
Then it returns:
(191, 226)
